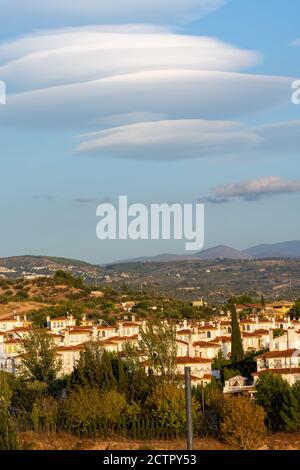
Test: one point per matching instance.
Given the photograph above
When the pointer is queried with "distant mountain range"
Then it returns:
(289, 249)
(276, 250)
(48, 264)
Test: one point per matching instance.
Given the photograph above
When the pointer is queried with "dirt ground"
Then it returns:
(33, 441)
(19, 308)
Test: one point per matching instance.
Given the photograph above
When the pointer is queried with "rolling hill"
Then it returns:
(290, 249)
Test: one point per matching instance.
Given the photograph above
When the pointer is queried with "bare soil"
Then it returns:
(63, 441)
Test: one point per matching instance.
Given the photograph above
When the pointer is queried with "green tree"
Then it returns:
(158, 343)
(5, 388)
(290, 412)
(122, 376)
(39, 360)
(95, 368)
(237, 352)
(295, 310)
(8, 437)
(272, 394)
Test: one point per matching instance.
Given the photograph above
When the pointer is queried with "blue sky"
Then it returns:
(211, 82)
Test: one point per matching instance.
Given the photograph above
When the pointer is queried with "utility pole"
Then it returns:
(188, 402)
(96, 283)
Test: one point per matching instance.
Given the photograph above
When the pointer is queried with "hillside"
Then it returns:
(221, 251)
(289, 249)
(28, 262)
(215, 280)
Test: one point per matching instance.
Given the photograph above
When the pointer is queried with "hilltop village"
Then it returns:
(269, 335)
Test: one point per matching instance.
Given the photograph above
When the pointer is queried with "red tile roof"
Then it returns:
(274, 354)
(287, 371)
(193, 360)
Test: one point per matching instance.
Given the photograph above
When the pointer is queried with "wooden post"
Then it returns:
(188, 402)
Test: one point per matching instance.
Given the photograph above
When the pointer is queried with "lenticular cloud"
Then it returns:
(107, 11)
(77, 79)
(78, 55)
(169, 140)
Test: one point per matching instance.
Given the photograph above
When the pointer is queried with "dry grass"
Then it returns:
(64, 441)
(12, 308)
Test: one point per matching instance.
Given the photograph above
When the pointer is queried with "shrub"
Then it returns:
(243, 423)
(81, 410)
(210, 398)
(85, 410)
(45, 414)
(167, 405)
(113, 405)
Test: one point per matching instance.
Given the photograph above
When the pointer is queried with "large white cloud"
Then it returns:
(182, 139)
(163, 140)
(81, 54)
(107, 11)
(98, 78)
(178, 94)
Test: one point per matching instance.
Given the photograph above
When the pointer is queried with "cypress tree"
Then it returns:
(108, 378)
(122, 377)
(237, 352)
(8, 437)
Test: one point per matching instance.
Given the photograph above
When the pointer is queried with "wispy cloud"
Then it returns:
(44, 197)
(213, 200)
(93, 200)
(107, 11)
(256, 189)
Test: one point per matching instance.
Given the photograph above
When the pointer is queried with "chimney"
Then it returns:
(133, 318)
(191, 349)
(83, 317)
(291, 338)
(121, 329)
(271, 340)
(48, 322)
(95, 333)
(67, 338)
